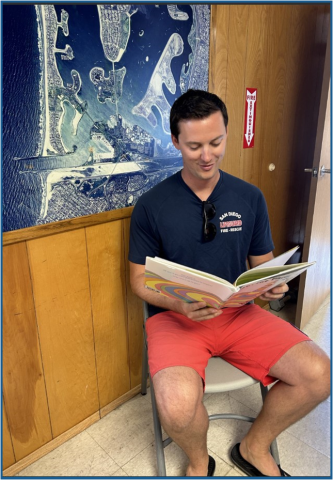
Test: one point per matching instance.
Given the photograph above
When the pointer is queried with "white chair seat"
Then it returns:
(223, 377)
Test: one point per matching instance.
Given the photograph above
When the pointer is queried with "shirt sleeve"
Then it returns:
(144, 238)
(261, 242)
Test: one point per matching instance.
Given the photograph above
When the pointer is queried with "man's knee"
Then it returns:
(177, 401)
(316, 371)
(306, 365)
(320, 376)
(179, 414)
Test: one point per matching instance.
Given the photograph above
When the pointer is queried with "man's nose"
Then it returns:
(206, 154)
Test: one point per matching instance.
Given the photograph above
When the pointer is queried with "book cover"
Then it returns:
(177, 281)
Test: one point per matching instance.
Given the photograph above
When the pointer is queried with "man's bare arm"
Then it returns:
(256, 260)
(275, 293)
(196, 311)
(137, 277)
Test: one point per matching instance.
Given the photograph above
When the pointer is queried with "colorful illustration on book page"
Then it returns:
(176, 290)
(244, 296)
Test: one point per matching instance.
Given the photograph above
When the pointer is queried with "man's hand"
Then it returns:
(197, 311)
(275, 293)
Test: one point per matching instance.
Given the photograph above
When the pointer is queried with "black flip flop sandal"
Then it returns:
(211, 467)
(246, 467)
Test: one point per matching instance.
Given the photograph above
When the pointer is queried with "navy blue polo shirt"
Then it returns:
(167, 222)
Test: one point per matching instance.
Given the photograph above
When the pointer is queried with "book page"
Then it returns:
(279, 260)
(285, 273)
(183, 268)
(175, 282)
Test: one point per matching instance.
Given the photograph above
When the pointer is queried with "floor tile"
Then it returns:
(299, 459)
(234, 472)
(314, 429)
(79, 456)
(144, 464)
(221, 440)
(250, 396)
(126, 431)
(119, 473)
(226, 403)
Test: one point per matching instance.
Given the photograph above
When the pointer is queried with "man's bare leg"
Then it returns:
(304, 373)
(179, 394)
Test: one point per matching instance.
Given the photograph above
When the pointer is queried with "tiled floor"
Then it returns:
(122, 443)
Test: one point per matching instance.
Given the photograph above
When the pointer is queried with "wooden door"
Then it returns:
(315, 285)
(280, 50)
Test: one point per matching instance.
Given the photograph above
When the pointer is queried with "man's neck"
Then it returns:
(201, 187)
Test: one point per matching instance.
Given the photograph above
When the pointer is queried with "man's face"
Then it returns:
(202, 143)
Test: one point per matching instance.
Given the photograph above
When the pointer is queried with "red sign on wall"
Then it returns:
(250, 117)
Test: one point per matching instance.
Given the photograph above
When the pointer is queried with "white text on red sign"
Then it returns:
(251, 98)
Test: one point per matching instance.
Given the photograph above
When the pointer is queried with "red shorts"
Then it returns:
(249, 337)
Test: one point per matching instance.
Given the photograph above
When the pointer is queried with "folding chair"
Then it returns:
(220, 377)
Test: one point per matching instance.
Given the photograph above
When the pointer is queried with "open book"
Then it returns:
(190, 285)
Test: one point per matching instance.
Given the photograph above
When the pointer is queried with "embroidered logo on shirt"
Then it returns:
(229, 224)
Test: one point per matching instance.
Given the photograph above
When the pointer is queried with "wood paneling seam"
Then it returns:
(228, 35)
(38, 334)
(92, 317)
(127, 282)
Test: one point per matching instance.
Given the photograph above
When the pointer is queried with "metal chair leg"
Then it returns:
(274, 447)
(144, 374)
(158, 435)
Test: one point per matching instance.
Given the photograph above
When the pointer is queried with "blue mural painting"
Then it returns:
(87, 92)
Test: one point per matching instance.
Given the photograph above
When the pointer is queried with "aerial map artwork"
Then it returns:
(87, 92)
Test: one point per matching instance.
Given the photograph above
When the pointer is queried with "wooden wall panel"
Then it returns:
(278, 49)
(62, 297)
(8, 457)
(23, 379)
(219, 49)
(135, 320)
(278, 121)
(108, 294)
(239, 51)
(294, 97)
(235, 92)
(255, 75)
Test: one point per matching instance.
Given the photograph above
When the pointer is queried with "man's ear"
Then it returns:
(175, 142)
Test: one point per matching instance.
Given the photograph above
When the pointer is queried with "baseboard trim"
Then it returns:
(72, 432)
(116, 403)
(48, 447)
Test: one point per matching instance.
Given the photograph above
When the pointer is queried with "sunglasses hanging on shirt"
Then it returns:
(209, 229)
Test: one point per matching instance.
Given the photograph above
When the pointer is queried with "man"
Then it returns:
(179, 219)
